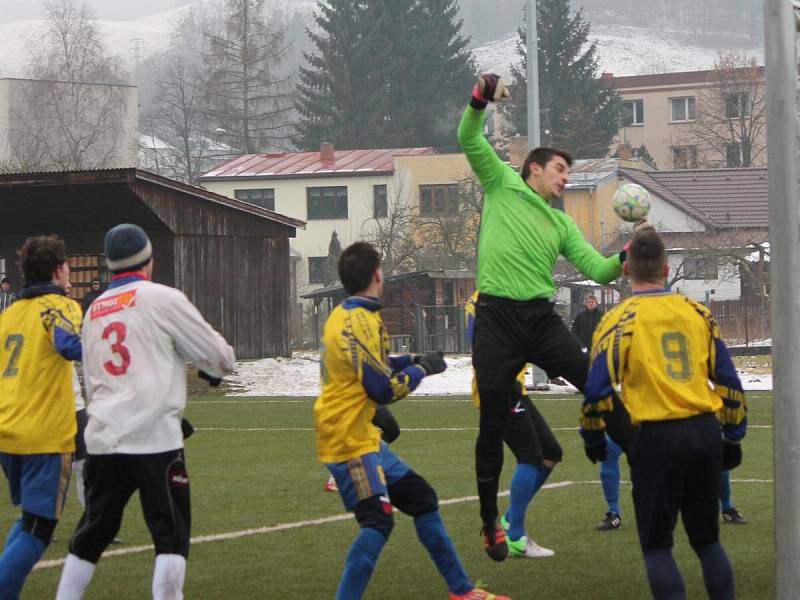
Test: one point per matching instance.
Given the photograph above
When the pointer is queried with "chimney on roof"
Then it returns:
(517, 150)
(625, 151)
(326, 150)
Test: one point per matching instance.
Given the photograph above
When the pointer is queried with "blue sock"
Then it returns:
(717, 572)
(666, 582)
(17, 561)
(725, 490)
(360, 564)
(432, 534)
(525, 482)
(13, 533)
(609, 477)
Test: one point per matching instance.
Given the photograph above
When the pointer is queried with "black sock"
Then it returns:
(666, 582)
(717, 572)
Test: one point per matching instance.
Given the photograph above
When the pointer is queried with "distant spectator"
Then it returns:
(91, 295)
(6, 295)
(585, 323)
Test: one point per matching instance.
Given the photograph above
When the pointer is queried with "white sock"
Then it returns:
(79, 482)
(75, 576)
(168, 577)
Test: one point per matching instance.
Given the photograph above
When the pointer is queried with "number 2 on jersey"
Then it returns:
(14, 344)
(118, 330)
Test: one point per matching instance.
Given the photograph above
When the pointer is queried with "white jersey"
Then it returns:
(137, 339)
(76, 388)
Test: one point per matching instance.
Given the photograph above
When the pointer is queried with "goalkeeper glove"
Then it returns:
(731, 455)
(598, 452)
(212, 381)
(186, 428)
(431, 362)
(490, 88)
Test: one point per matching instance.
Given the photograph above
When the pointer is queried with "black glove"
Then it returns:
(186, 428)
(731, 455)
(385, 421)
(490, 88)
(432, 362)
(598, 452)
(212, 381)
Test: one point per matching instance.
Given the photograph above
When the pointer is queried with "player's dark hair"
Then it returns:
(40, 256)
(542, 156)
(357, 264)
(646, 255)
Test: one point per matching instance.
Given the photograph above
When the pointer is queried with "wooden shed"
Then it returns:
(229, 257)
(423, 310)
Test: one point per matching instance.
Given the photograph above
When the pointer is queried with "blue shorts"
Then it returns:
(38, 482)
(367, 475)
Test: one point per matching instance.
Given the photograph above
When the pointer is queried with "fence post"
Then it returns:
(419, 329)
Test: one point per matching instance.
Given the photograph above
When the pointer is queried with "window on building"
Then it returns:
(684, 157)
(733, 155)
(701, 267)
(318, 269)
(737, 105)
(327, 202)
(632, 113)
(682, 109)
(439, 199)
(265, 198)
(380, 204)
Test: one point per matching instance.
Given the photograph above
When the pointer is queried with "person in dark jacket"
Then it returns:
(91, 295)
(6, 295)
(587, 320)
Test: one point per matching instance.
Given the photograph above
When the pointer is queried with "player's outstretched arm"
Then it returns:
(484, 161)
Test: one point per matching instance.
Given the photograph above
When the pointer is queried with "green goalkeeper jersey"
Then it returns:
(521, 235)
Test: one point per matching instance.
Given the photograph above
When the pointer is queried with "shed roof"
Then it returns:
(294, 165)
(131, 175)
(721, 198)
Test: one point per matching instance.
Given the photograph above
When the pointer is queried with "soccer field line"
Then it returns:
(410, 429)
(232, 535)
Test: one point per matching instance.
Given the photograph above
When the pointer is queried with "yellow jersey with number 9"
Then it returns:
(37, 402)
(661, 349)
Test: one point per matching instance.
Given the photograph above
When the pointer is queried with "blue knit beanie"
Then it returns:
(127, 247)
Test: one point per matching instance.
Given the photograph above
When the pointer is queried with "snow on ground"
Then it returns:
(299, 376)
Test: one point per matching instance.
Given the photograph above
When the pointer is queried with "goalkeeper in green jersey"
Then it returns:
(521, 237)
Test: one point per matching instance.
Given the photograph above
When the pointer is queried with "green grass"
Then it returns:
(250, 479)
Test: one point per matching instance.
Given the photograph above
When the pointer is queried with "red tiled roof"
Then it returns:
(287, 165)
(722, 198)
(681, 78)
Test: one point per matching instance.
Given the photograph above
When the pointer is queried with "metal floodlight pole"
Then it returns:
(532, 75)
(784, 229)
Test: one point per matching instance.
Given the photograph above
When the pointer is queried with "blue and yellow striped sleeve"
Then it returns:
(727, 386)
(62, 319)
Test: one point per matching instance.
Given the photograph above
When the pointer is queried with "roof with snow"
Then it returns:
(720, 198)
(295, 165)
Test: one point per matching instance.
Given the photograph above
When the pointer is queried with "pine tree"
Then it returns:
(579, 110)
(247, 96)
(385, 74)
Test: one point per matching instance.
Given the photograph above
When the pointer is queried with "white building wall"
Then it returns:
(4, 124)
(727, 286)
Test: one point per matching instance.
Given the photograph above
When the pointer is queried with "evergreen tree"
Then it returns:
(247, 97)
(579, 110)
(385, 74)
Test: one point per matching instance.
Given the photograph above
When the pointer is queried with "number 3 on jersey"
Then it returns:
(118, 366)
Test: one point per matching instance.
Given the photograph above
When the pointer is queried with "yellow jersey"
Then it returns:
(356, 375)
(662, 352)
(39, 339)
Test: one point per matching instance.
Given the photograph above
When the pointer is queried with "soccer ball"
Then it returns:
(631, 202)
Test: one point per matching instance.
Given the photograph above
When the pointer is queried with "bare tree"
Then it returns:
(730, 123)
(390, 231)
(248, 98)
(72, 114)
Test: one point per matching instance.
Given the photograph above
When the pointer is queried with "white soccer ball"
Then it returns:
(631, 202)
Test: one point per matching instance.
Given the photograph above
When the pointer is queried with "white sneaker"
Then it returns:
(525, 547)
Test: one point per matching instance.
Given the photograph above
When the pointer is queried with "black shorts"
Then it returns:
(528, 435)
(80, 443)
(111, 479)
(512, 333)
(675, 468)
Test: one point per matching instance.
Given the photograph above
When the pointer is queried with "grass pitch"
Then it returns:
(267, 530)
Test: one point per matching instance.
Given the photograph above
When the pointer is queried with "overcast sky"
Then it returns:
(15, 10)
